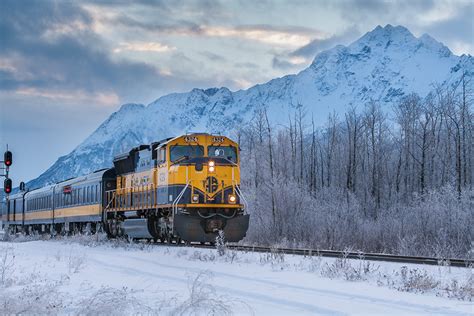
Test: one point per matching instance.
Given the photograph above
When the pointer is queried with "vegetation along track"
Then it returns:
(469, 263)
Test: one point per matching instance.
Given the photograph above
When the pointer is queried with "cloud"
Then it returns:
(288, 62)
(285, 36)
(144, 47)
(317, 45)
(457, 30)
(107, 99)
(49, 46)
(211, 56)
(294, 60)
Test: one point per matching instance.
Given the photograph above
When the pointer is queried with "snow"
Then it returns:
(159, 279)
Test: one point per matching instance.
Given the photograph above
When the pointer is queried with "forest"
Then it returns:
(396, 180)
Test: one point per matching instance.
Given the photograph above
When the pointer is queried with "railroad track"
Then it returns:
(463, 263)
(352, 255)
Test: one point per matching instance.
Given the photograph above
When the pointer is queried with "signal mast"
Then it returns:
(7, 161)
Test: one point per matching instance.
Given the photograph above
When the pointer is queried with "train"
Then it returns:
(180, 189)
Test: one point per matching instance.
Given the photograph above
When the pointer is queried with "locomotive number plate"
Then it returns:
(217, 139)
(190, 139)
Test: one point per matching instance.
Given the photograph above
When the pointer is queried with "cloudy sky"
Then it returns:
(65, 66)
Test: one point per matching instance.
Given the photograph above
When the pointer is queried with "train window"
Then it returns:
(190, 151)
(162, 155)
(96, 193)
(227, 152)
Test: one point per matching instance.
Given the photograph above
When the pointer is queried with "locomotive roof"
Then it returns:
(158, 144)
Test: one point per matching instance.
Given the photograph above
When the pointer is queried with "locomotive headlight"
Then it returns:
(232, 198)
(195, 198)
(211, 165)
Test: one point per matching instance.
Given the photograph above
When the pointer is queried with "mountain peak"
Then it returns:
(381, 35)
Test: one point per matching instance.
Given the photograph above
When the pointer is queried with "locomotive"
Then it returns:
(185, 188)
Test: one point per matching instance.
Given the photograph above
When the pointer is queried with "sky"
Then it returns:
(65, 66)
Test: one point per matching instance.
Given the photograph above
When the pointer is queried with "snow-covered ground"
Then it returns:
(83, 276)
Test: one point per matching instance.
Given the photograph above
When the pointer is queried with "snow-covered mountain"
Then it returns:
(382, 65)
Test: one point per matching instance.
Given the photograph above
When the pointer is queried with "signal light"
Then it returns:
(7, 185)
(7, 158)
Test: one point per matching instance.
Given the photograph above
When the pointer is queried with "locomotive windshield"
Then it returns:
(227, 152)
(188, 151)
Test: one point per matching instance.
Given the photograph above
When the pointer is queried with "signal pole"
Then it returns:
(7, 183)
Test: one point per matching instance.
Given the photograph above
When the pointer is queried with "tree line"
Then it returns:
(397, 180)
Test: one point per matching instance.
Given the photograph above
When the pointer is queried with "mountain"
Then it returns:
(383, 65)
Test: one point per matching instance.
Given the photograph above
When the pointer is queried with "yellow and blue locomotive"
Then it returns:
(184, 188)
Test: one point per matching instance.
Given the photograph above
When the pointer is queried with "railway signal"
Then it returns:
(8, 158)
(7, 185)
(7, 161)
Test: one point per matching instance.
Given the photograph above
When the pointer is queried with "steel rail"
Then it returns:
(359, 255)
(463, 263)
